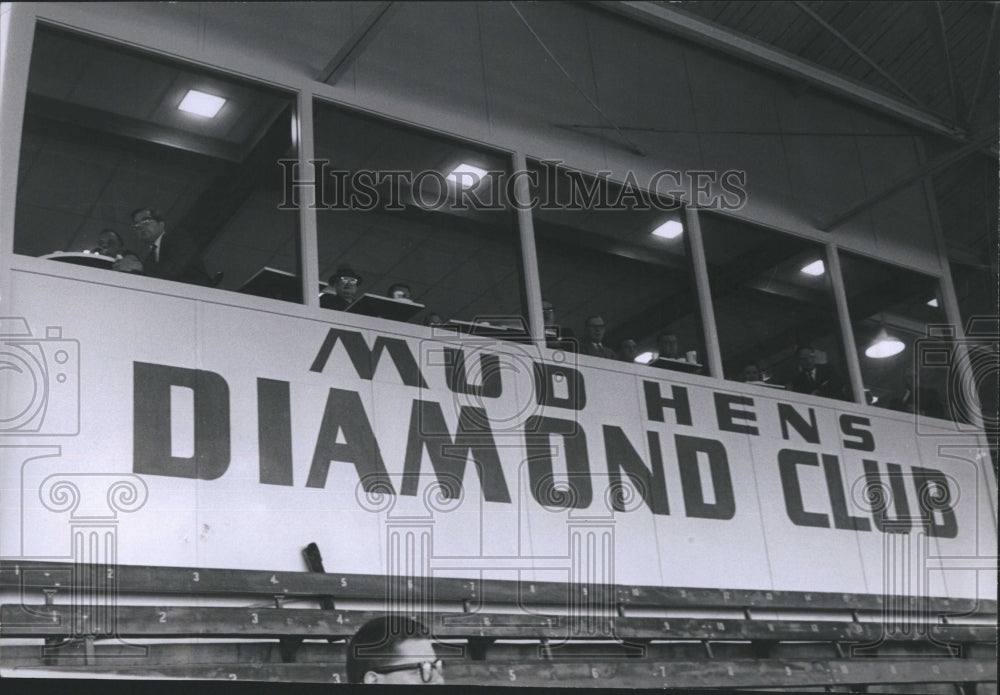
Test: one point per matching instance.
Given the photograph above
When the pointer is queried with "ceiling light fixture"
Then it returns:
(644, 358)
(201, 104)
(884, 346)
(816, 268)
(466, 175)
(671, 229)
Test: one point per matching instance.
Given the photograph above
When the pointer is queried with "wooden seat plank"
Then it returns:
(35, 575)
(19, 620)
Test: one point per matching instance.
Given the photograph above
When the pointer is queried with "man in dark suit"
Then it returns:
(593, 344)
(170, 256)
(815, 379)
(342, 289)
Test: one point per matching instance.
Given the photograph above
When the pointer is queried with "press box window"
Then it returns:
(905, 348)
(404, 208)
(606, 251)
(774, 308)
(109, 130)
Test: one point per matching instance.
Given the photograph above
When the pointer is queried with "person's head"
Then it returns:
(433, 319)
(805, 357)
(393, 650)
(548, 313)
(595, 328)
(147, 224)
(628, 350)
(109, 242)
(667, 344)
(399, 291)
(345, 281)
(751, 372)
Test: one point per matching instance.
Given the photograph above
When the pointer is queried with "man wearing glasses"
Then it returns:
(393, 650)
(169, 256)
(342, 289)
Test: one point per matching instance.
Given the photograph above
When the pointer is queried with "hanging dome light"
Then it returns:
(884, 346)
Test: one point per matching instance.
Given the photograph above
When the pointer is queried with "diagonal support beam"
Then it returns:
(680, 23)
(356, 45)
(859, 53)
(935, 27)
(928, 169)
(988, 58)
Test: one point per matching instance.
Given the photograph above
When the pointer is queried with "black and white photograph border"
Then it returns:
(537, 345)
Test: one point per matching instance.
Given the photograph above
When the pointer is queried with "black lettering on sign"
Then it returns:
(678, 402)
(934, 496)
(849, 425)
(809, 431)
(151, 449)
(551, 379)
(788, 462)
(365, 361)
(490, 386)
(448, 456)
(345, 415)
(695, 504)
(727, 415)
(274, 432)
(842, 518)
(650, 483)
(538, 442)
(881, 496)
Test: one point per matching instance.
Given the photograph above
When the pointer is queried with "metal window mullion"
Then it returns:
(700, 267)
(529, 255)
(309, 249)
(16, 63)
(949, 297)
(846, 330)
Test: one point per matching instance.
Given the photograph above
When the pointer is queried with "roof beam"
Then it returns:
(682, 24)
(859, 53)
(357, 43)
(935, 27)
(991, 46)
(927, 169)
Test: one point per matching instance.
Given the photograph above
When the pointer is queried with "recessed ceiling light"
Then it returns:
(466, 175)
(671, 229)
(644, 358)
(933, 303)
(201, 104)
(815, 268)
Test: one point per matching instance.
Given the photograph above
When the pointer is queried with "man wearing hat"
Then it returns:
(342, 289)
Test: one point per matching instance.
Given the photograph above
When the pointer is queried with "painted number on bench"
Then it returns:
(111, 573)
(335, 678)
(195, 577)
(163, 616)
(254, 619)
(511, 674)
